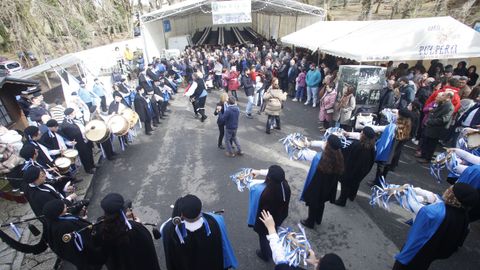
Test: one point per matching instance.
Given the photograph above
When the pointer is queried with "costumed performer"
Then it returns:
(438, 230)
(125, 244)
(198, 241)
(274, 196)
(358, 158)
(321, 183)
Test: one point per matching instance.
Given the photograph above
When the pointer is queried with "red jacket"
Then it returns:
(455, 99)
(233, 83)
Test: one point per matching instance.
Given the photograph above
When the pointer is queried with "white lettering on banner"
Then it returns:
(438, 49)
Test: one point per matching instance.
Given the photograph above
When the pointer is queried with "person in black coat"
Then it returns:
(72, 132)
(221, 105)
(387, 97)
(33, 136)
(322, 186)
(275, 199)
(38, 193)
(58, 223)
(151, 73)
(123, 243)
(55, 143)
(436, 125)
(144, 110)
(248, 86)
(198, 95)
(144, 81)
(359, 158)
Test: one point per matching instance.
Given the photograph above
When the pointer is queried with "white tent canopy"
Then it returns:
(390, 40)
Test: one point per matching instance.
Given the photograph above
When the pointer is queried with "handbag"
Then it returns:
(330, 110)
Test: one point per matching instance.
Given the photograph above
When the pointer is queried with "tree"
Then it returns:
(366, 10)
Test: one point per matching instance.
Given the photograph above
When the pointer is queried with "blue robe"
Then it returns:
(471, 176)
(229, 259)
(427, 222)
(384, 145)
(311, 172)
(255, 194)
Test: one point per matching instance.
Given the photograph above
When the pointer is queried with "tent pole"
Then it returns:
(318, 57)
(47, 80)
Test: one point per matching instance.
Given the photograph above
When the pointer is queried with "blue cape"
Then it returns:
(229, 259)
(471, 176)
(384, 145)
(311, 172)
(427, 222)
(255, 194)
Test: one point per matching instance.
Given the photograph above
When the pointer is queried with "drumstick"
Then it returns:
(58, 174)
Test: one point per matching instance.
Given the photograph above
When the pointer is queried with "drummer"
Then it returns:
(116, 107)
(54, 142)
(71, 131)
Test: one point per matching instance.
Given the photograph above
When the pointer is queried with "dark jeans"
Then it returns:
(428, 147)
(230, 138)
(315, 214)
(221, 130)
(271, 120)
(103, 103)
(300, 93)
(234, 93)
(264, 246)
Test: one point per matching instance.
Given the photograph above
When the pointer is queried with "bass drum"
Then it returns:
(97, 131)
(118, 125)
(72, 154)
(63, 164)
(131, 116)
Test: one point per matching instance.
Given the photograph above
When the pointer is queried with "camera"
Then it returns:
(77, 207)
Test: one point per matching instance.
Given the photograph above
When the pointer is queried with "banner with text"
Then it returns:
(232, 12)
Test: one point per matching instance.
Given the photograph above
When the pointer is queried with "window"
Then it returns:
(13, 65)
(5, 119)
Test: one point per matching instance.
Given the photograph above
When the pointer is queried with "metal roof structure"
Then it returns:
(280, 7)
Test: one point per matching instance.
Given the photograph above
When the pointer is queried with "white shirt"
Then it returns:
(278, 253)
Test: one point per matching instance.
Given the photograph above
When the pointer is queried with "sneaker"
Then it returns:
(228, 154)
(306, 103)
(415, 141)
(221, 146)
(314, 105)
(239, 153)
(295, 100)
(249, 116)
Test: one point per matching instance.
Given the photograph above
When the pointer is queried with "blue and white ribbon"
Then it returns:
(15, 230)
(339, 133)
(444, 160)
(296, 245)
(243, 178)
(294, 143)
(390, 115)
(382, 194)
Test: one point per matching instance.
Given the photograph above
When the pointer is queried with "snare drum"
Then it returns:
(131, 116)
(97, 131)
(63, 164)
(71, 154)
(118, 125)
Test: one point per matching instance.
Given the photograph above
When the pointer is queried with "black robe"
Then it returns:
(50, 142)
(199, 250)
(358, 163)
(271, 200)
(38, 196)
(72, 132)
(42, 158)
(322, 188)
(445, 241)
(142, 109)
(134, 251)
(88, 258)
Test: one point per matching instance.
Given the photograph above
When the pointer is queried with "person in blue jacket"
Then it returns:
(313, 80)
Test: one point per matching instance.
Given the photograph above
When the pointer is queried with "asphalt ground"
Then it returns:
(182, 157)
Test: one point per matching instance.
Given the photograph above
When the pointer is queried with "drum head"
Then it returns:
(70, 153)
(118, 124)
(63, 162)
(96, 130)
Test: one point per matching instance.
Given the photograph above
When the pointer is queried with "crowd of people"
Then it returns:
(419, 105)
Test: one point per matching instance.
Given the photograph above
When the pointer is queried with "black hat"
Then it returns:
(28, 151)
(404, 113)
(68, 111)
(334, 142)
(139, 88)
(31, 174)
(276, 173)
(52, 123)
(37, 94)
(53, 209)
(116, 94)
(331, 261)
(112, 203)
(81, 82)
(190, 206)
(465, 194)
(31, 131)
(369, 132)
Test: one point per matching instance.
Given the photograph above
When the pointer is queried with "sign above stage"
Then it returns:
(232, 12)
